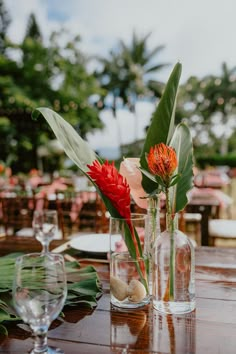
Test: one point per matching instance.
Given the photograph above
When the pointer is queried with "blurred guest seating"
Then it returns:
(79, 211)
(17, 212)
(94, 216)
(68, 214)
(79, 207)
(221, 230)
(212, 178)
(192, 226)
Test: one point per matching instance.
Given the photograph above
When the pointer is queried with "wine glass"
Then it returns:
(39, 293)
(45, 225)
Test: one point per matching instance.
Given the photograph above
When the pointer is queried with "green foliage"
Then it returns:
(74, 146)
(4, 23)
(49, 76)
(216, 160)
(83, 285)
(210, 106)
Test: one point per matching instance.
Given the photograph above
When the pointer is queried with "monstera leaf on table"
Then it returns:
(83, 284)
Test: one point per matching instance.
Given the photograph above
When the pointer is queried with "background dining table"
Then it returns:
(209, 329)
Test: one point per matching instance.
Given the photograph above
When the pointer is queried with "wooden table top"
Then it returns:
(210, 329)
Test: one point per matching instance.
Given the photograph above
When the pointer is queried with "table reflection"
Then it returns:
(174, 334)
(128, 331)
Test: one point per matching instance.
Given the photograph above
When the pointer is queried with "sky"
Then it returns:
(200, 34)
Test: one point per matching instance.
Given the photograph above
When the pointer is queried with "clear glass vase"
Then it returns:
(173, 288)
(128, 264)
(152, 230)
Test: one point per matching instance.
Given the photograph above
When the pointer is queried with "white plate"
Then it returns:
(26, 231)
(94, 243)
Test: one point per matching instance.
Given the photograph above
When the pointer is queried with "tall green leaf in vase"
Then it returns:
(162, 130)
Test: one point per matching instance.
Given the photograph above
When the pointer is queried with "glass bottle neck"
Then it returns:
(172, 222)
(153, 218)
(153, 203)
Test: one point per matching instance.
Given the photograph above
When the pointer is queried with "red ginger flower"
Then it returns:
(162, 161)
(113, 185)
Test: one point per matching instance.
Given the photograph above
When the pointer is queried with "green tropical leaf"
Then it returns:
(3, 330)
(77, 149)
(129, 241)
(88, 301)
(6, 316)
(148, 174)
(182, 143)
(162, 123)
(74, 146)
(174, 180)
(86, 287)
(86, 270)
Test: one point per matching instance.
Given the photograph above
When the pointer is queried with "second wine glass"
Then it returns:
(45, 225)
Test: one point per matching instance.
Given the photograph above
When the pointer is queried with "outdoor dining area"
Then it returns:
(79, 208)
(104, 328)
(208, 218)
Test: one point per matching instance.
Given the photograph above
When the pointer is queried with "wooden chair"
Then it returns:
(94, 216)
(222, 231)
(101, 217)
(68, 216)
(17, 213)
(192, 222)
(208, 210)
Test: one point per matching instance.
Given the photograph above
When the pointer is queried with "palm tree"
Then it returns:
(126, 73)
(32, 29)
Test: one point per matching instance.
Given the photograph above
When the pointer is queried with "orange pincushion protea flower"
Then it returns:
(162, 161)
(113, 185)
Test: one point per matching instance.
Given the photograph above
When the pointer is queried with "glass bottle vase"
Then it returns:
(173, 288)
(152, 230)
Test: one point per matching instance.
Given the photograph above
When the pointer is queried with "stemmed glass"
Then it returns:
(39, 294)
(45, 225)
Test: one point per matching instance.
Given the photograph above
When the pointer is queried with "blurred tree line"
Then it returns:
(209, 106)
(34, 75)
(56, 75)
